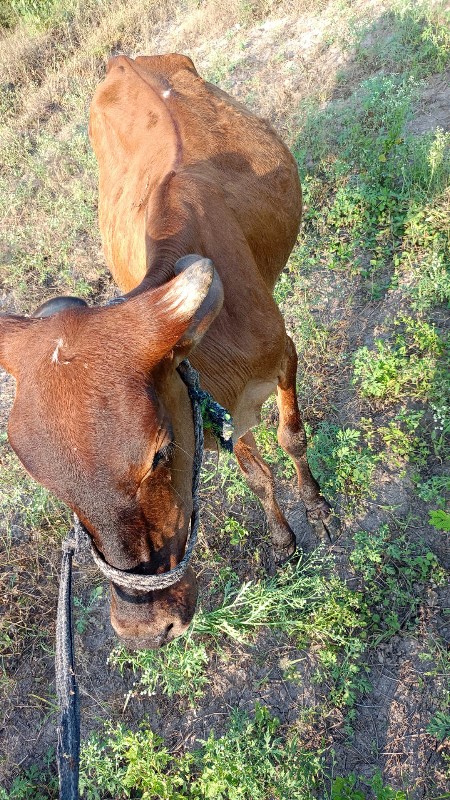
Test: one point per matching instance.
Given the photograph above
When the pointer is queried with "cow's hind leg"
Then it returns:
(292, 438)
(260, 479)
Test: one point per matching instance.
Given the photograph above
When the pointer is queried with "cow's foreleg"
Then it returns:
(260, 480)
(292, 438)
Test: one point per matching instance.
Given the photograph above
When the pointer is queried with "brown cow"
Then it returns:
(101, 416)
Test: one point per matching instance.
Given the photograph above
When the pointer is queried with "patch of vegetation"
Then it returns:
(310, 605)
(266, 439)
(375, 229)
(34, 14)
(82, 610)
(231, 479)
(32, 522)
(33, 784)
(403, 368)
(342, 463)
(440, 519)
(417, 39)
(63, 206)
(403, 439)
(24, 504)
(254, 760)
(439, 726)
(178, 669)
(304, 601)
(393, 567)
(435, 490)
(346, 788)
(315, 342)
(374, 185)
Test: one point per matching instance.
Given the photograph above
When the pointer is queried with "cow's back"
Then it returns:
(173, 150)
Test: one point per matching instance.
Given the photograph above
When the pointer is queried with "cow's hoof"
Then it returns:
(283, 554)
(323, 521)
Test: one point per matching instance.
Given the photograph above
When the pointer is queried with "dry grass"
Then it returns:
(48, 78)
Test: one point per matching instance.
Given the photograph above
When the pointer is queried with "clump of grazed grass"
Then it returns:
(304, 601)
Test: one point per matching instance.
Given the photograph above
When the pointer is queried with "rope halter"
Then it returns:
(206, 414)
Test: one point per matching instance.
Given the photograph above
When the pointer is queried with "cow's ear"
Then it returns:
(208, 308)
(175, 316)
(11, 347)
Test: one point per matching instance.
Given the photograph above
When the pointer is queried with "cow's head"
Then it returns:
(102, 419)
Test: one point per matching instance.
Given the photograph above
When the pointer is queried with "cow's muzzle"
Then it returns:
(151, 619)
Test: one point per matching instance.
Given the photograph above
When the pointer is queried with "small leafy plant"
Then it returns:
(440, 519)
(392, 567)
(342, 463)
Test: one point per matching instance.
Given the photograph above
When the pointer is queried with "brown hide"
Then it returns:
(183, 168)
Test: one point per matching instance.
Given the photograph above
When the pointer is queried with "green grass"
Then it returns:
(417, 39)
(307, 603)
(392, 567)
(42, 250)
(378, 181)
(304, 602)
(255, 759)
(33, 523)
(343, 463)
(25, 504)
(409, 366)
(35, 14)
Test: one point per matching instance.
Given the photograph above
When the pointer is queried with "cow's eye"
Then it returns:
(163, 455)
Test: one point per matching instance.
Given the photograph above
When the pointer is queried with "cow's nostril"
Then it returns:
(167, 631)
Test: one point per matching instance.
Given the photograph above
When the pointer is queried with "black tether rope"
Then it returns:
(68, 731)
(68, 747)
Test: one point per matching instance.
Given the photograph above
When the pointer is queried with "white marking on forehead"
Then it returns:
(55, 356)
(166, 93)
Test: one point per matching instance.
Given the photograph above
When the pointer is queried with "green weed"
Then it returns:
(435, 490)
(345, 788)
(405, 367)
(440, 520)
(303, 601)
(403, 442)
(229, 477)
(238, 535)
(178, 669)
(123, 764)
(33, 784)
(26, 504)
(83, 610)
(251, 761)
(34, 13)
(439, 726)
(433, 283)
(392, 568)
(342, 463)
